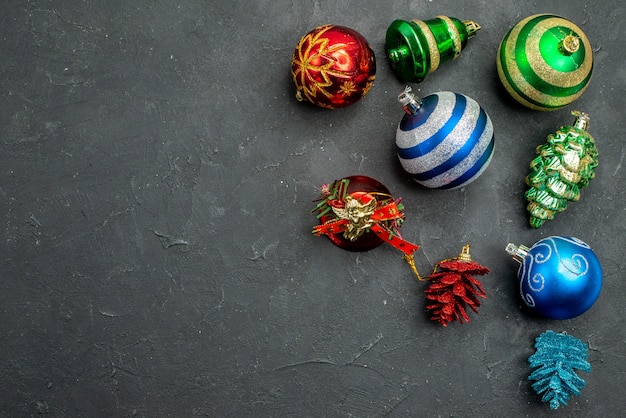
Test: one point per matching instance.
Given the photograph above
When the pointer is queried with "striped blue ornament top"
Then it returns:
(445, 141)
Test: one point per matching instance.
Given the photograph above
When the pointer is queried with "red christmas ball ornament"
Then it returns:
(357, 213)
(333, 67)
(359, 188)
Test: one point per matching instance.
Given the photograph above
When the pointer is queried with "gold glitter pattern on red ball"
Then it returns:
(333, 67)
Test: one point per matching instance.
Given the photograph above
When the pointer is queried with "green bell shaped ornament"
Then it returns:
(418, 47)
(564, 165)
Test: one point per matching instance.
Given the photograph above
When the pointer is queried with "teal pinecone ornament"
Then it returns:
(557, 355)
(564, 165)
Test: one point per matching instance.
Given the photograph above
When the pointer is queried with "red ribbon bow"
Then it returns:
(360, 212)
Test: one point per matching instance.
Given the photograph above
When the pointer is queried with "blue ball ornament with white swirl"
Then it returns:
(559, 277)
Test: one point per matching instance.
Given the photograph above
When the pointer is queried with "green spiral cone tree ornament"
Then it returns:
(545, 62)
(564, 165)
(418, 47)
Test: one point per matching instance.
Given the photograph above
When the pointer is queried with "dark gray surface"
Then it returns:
(156, 181)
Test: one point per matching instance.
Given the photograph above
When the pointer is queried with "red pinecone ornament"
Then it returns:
(453, 288)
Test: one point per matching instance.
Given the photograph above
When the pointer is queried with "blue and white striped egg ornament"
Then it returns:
(444, 140)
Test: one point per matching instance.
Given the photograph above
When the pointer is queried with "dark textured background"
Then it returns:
(156, 180)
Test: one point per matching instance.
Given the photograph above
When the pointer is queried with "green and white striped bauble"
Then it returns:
(545, 62)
